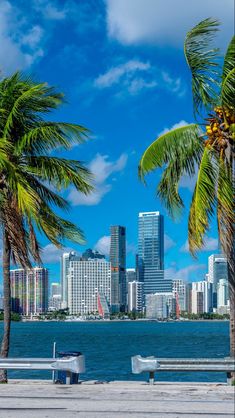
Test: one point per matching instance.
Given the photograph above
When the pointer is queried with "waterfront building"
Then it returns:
(64, 270)
(151, 253)
(179, 293)
(160, 305)
(55, 297)
(189, 297)
(118, 268)
(29, 290)
(55, 289)
(202, 297)
(135, 296)
(217, 270)
(130, 275)
(88, 281)
(222, 293)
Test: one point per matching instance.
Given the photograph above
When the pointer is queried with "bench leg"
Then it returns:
(229, 378)
(151, 378)
(68, 378)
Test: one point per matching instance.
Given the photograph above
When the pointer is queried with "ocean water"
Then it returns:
(108, 346)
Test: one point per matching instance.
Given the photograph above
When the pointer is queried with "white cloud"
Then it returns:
(102, 169)
(103, 245)
(164, 22)
(50, 10)
(135, 76)
(184, 273)
(211, 244)
(19, 41)
(114, 75)
(51, 254)
(33, 37)
(168, 242)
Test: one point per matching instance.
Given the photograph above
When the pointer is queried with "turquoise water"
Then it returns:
(108, 346)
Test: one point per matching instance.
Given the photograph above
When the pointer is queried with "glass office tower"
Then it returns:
(151, 253)
(118, 268)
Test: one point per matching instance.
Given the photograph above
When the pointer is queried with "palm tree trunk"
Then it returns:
(231, 279)
(7, 305)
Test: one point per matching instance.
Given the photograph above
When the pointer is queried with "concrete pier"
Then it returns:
(42, 399)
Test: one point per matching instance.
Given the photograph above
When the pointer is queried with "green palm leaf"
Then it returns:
(229, 59)
(228, 90)
(61, 172)
(202, 61)
(203, 201)
(46, 136)
(184, 141)
(179, 152)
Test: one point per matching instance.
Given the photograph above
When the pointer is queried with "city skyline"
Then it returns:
(127, 88)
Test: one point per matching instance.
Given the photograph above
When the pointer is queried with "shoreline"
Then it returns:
(119, 320)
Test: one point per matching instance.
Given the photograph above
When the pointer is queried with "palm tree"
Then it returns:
(31, 177)
(204, 149)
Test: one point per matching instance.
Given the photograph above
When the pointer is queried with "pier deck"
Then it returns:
(37, 399)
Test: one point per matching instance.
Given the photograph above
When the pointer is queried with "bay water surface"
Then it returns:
(109, 345)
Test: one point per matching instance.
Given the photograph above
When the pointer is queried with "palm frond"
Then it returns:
(61, 172)
(57, 229)
(228, 90)
(203, 201)
(229, 59)
(167, 189)
(184, 143)
(46, 136)
(28, 100)
(34, 244)
(202, 61)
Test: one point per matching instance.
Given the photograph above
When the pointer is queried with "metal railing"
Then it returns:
(153, 365)
(67, 364)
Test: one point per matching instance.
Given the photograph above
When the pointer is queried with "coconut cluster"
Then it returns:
(220, 128)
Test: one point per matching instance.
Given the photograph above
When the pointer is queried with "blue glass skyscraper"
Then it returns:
(151, 253)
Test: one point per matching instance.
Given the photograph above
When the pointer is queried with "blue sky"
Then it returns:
(121, 66)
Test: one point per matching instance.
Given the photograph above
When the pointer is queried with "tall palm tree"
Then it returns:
(31, 177)
(204, 149)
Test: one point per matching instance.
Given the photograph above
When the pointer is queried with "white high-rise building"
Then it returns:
(135, 296)
(88, 281)
(55, 289)
(130, 275)
(222, 293)
(217, 270)
(160, 305)
(64, 271)
(179, 292)
(201, 297)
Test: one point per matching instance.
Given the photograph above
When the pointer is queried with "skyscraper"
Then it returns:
(179, 292)
(89, 283)
(29, 290)
(151, 253)
(160, 305)
(135, 296)
(201, 297)
(64, 266)
(118, 268)
(217, 270)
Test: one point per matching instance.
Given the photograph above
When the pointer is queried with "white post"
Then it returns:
(54, 356)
